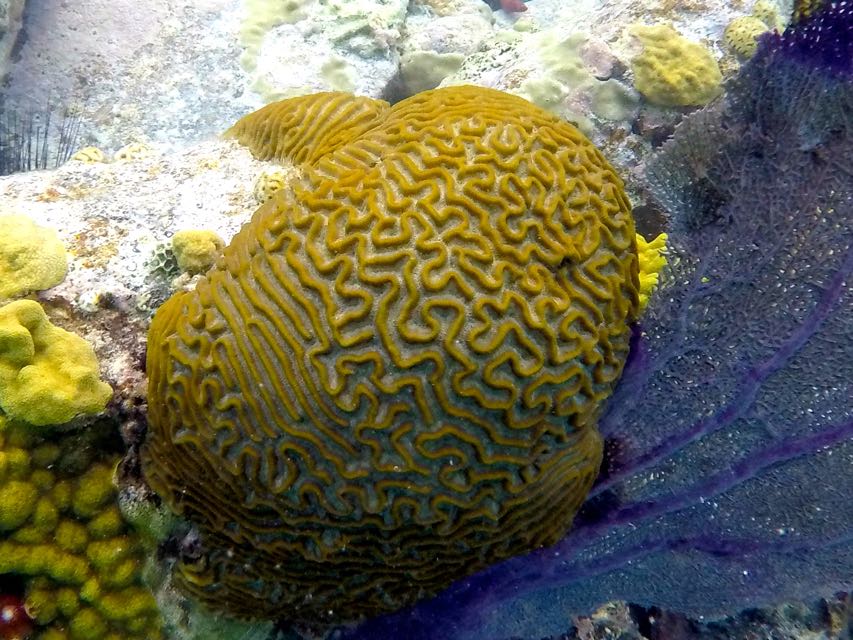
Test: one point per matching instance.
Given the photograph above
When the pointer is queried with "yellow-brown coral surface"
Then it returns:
(392, 376)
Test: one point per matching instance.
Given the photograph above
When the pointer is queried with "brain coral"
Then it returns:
(392, 376)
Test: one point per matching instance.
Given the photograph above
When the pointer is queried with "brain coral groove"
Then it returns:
(392, 376)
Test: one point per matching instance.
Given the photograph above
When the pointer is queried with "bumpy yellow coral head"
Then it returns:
(196, 249)
(268, 182)
(62, 534)
(672, 70)
(741, 35)
(392, 376)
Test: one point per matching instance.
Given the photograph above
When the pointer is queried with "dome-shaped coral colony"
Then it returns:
(391, 377)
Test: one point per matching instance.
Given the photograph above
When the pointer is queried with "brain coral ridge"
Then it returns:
(392, 375)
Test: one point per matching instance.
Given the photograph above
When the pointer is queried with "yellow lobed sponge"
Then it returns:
(47, 375)
(672, 70)
(32, 257)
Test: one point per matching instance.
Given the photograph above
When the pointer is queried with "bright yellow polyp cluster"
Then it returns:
(652, 256)
(47, 375)
(672, 70)
(61, 530)
(392, 376)
(32, 257)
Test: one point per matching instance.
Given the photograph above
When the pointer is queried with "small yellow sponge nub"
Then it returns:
(47, 375)
(32, 257)
(768, 12)
(673, 71)
(89, 155)
(805, 8)
(268, 182)
(132, 151)
(196, 250)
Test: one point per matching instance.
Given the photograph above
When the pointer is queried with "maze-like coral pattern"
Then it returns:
(391, 377)
(304, 130)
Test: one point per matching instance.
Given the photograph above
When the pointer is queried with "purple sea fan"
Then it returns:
(730, 464)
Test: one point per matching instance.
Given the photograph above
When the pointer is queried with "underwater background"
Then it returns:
(514, 320)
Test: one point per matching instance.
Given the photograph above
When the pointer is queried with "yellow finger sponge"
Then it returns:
(62, 535)
(32, 257)
(47, 375)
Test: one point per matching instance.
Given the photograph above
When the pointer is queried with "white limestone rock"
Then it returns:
(310, 46)
(173, 72)
(163, 71)
(113, 216)
(437, 40)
